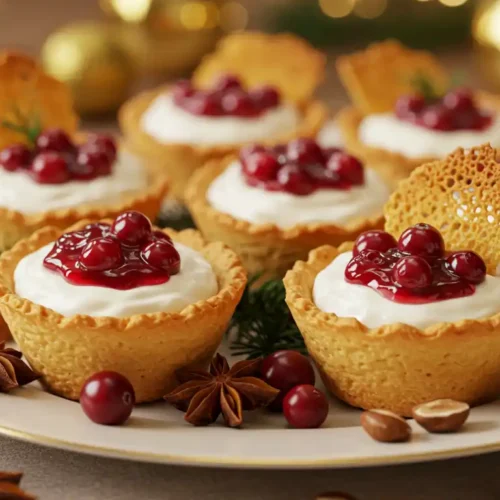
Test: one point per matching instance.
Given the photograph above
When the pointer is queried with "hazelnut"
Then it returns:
(385, 426)
(442, 415)
(334, 495)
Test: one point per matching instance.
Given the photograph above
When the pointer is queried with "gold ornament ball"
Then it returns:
(88, 58)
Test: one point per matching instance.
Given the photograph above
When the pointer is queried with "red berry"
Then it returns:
(72, 240)
(365, 261)
(261, 166)
(15, 157)
(204, 104)
(459, 100)
(374, 240)
(162, 255)
(305, 407)
(181, 90)
(107, 398)
(468, 265)
(284, 370)
(101, 254)
(249, 150)
(131, 228)
(438, 118)
(304, 151)
(238, 103)
(54, 139)
(348, 168)
(91, 162)
(412, 272)
(294, 180)
(103, 142)
(409, 105)
(265, 97)
(422, 240)
(160, 235)
(227, 82)
(50, 168)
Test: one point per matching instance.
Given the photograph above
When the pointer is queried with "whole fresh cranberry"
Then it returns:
(304, 151)
(347, 168)
(50, 167)
(91, 162)
(238, 103)
(459, 100)
(412, 272)
(102, 254)
(468, 265)
(131, 228)
(422, 240)
(15, 157)
(283, 370)
(438, 118)
(160, 235)
(374, 240)
(265, 96)
(162, 255)
(103, 142)
(294, 180)
(107, 398)
(54, 139)
(305, 407)
(262, 166)
(408, 105)
(204, 104)
(181, 90)
(227, 82)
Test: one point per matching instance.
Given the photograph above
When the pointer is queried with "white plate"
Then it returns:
(158, 433)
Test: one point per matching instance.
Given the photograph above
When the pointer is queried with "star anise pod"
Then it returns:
(9, 487)
(204, 395)
(13, 370)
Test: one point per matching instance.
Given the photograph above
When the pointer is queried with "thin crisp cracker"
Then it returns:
(29, 98)
(460, 196)
(281, 60)
(375, 77)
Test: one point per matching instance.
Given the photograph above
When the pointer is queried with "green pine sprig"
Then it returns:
(262, 322)
(423, 86)
(29, 127)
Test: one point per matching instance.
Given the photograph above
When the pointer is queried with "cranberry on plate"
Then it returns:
(305, 407)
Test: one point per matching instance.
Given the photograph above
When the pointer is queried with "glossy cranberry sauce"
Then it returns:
(457, 110)
(227, 97)
(55, 159)
(300, 167)
(124, 255)
(415, 269)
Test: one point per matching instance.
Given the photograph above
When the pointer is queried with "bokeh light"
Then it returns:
(370, 9)
(337, 8)
(233, 16)
(193, 15)
(453, 3)
(132, 10)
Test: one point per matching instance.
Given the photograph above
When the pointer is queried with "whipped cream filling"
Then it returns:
(169, 123)
(330, 136)
(230, 194)
(18, 191)
(195, 281)
(385, 131)
(332, 294)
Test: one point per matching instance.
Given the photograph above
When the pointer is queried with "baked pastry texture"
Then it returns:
(146, 348)
(283, 60)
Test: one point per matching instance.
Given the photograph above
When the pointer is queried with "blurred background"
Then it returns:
(108, 49)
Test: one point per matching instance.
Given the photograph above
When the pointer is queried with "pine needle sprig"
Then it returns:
(262, 322)
(423, 86)
(30, 128)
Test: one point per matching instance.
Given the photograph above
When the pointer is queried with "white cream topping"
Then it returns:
(18, 191)
(229, 193)
(387, 132)
(169, 123)
(330, 135)
(195, 281)
(332, 294)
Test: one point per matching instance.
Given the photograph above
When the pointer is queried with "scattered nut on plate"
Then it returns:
(385, 426)
(442, 415)
(334, 495)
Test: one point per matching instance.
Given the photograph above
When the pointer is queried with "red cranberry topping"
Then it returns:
(415, 270)
(457, 110)
(54, 139)
(422, 240)
(50, 168)
(468, 265)
(122, 256)
(91, 162)
(227, 97)
(15, 157)
(300, 168)
(284, 370)
(374, 240)
(305, 407)
(103, 142)
(107, 398)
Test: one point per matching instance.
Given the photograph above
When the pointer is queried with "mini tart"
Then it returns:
(263, 248)
(396, 366)
(281, 60)
(146, 348)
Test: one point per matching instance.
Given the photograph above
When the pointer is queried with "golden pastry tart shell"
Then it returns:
(178, 161)
(15, 225)
(263, 248)
(146, 348)
(396, 366)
